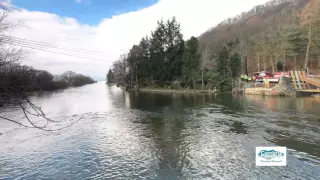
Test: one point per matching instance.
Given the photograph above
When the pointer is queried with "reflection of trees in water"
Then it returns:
(164, 127)
(270, 103)
(167, 127)
(295, 142)
(109, 90)
(149, 101)
(171, 147)
(127, 100)
(285, 103)
(47, 94)
(118, 97)
(294, 121)
(290, 113)
(229, 104)
(171, 102)
(309, 103)
(169, 130)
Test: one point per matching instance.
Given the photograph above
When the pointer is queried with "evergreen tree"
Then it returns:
(235, 65)
(159, 59)
(228, 66)
(110, 77)
(133, 60)
(222, 82)
(144, 72)
(157, 52)
(166, 51)
(174, 47)
(191, 61)
(298, 44)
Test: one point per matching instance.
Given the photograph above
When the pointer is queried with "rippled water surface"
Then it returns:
(162, 136)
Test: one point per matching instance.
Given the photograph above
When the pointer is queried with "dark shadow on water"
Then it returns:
(170, 148)
(238, 127)
(312, 149)
(234, 126)
(230, 105)
(176, 102)
(290, 141)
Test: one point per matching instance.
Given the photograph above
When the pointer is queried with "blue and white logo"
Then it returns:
(271, 156)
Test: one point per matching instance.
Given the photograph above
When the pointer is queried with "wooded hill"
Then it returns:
(280, 32)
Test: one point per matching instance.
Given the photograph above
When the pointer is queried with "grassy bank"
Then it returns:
(166, 90)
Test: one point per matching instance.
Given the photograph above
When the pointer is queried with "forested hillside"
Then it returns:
(280, 32)
(279, 35)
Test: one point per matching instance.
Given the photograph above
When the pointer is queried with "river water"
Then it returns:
(131, 135)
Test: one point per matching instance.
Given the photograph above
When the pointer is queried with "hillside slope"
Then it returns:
(278, 33)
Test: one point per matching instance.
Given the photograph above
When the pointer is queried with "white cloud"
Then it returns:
(83, 1)
(117, 34)
(6, 3)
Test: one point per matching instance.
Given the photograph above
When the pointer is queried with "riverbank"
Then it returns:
(268, 92)
(283, 88)
(165, 90)
(158, 90)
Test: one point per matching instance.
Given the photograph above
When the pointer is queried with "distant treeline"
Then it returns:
(17, 81)
(18, 78)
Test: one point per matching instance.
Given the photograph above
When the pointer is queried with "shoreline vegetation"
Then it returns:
(169, 64)
(166, 90)
(272, 37)
(283, 88)
(24, 79)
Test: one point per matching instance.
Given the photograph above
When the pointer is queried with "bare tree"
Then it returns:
(68, 76)
(15, 92)
(311, 20)
(31, 111)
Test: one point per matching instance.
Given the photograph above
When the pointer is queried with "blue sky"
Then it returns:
(85, 11)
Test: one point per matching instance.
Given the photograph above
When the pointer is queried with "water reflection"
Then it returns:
(135, 135)
(305, 104)
(295, 142)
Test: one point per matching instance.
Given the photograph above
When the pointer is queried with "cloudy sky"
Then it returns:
(102, 30)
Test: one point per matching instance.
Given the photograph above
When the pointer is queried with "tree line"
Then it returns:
(279, 35)
(25, 79)
(165, 60)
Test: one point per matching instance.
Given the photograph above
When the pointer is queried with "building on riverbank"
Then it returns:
(297, 84)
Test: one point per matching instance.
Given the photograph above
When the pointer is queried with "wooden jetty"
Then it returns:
(303, 84)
